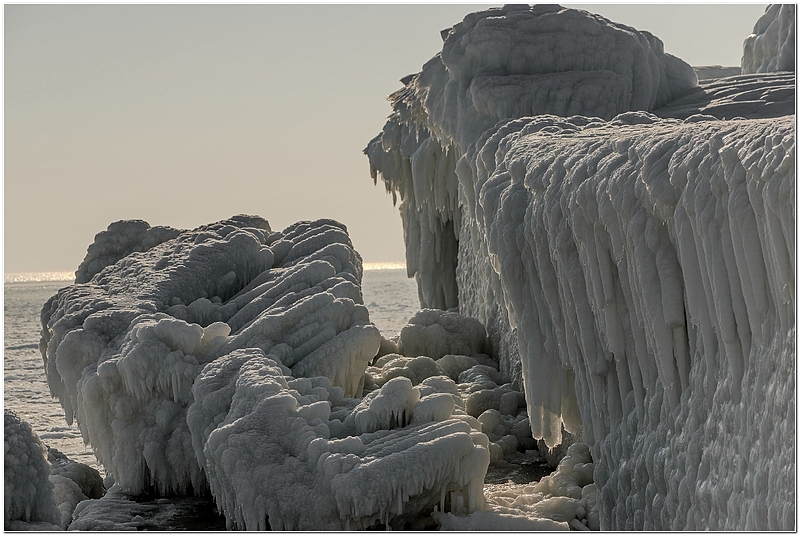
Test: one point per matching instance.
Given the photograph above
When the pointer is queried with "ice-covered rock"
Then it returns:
(636, 271)
(87, 478)
(771, 46)
(28, 491)
(122, 350)
(73, 483)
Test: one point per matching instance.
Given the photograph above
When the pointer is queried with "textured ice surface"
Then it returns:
(771, 46)
(28, 491)
(42, 486)
(435, 333)
(74, 482)
(641, 268)
(232, 358)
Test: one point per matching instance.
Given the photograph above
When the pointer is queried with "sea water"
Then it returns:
(389, 295)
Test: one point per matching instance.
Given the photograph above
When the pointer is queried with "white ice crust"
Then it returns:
(771, 46)
(642, 270)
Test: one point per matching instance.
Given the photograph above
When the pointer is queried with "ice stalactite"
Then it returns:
(638, 270)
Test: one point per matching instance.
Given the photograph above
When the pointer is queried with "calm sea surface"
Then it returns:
(390, 297)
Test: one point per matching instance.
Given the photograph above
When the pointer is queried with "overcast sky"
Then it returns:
(183, 115)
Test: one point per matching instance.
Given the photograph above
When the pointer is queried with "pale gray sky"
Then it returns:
(187, 114)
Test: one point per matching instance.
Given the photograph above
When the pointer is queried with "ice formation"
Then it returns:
(771, 46)
(634, 269)
(349, 463)
(497, 64)
(28, 491)
(234, 359)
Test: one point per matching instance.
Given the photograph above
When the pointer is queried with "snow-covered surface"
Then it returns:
(771, 46)
(637, 272)
(28, 491)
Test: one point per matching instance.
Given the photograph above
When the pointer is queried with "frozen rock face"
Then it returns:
(642, 270)
(650, 279)
(771, 46)
(498, 64)
(28, 492)
(122, 350)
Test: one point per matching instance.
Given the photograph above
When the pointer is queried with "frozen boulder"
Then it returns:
(123, 349)
(435, 333)
(26, 472)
